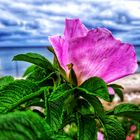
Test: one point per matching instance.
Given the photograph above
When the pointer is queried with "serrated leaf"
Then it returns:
(41, 77)
(70, 103)
(97, 105)
(118, 90)
(86, 128)
(17, 93)
(6, 80)
(60, 91)
(23, 126)
(68, 119)
(96, 86)
(54, 114)
(128, 110)
(113, 129)
(84, 107)
(55, 106)
(37, 74)
(36, 59)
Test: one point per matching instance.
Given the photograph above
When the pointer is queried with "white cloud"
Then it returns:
(46, 17)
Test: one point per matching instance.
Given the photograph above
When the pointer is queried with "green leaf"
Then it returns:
(23, 126)
(35, 102)
(95, 102)
(118, 90)
(17, 93)
(55, 106)
(113, 129)
(96, 86)
(29, 70)
(41, 77)
(68, 119)
(116, 86)
(61, 137)
(36, 59)
(54, 114)
(86, 128)
(37, 74)
(56, 63)
(70, 103)
(60, 91)
(128, 110)
(84, 107)
(6, 80)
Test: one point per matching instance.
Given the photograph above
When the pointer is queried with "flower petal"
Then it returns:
(99, 54)
(74, 28)
(61, 50)
(100, 136)
(111, 91)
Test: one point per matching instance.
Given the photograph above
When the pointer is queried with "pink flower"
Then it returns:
(100, 136)
(93, 52)
(133, 128)
(130, 137)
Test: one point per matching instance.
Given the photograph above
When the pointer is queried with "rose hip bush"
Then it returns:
(62, 100)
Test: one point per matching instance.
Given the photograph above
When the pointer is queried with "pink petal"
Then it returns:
(133, 128)
(111, 91)
(93, 53)
(130, 137)
(99, 54)
(74, 28)
(61, 50)
(100, 136)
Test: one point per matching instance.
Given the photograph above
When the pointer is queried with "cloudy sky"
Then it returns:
(30, 22)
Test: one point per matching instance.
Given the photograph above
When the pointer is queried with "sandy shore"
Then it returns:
(131, 85)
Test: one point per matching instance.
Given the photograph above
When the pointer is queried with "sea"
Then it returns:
(26, 24)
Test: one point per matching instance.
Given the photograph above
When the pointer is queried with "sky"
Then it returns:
(30, 22)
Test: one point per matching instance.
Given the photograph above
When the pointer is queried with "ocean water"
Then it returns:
(26, 24)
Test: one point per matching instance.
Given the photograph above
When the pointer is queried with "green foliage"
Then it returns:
(113, 129)
(97, 105)
(56, 63)
(41, 69)
(61, 137)
(34, 58)
(29, 70)
(54, 114)
(84, 107)
(23, 126)
(16, 93)
(66, 111)
(55, 106)
(6, 80)
(96, 86)
(40, 76)
(128, 110)
(86, 128)
(61, 91)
